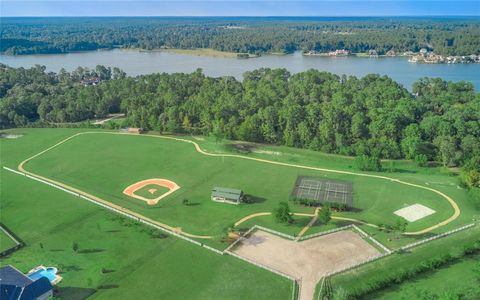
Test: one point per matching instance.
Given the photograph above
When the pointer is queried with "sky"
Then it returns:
(239, 8)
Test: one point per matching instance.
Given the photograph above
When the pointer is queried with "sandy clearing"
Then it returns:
(414, 212)
(308, 260)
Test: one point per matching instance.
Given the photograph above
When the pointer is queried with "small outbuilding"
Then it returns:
(227, 195)
(134, 130)
(14, 285)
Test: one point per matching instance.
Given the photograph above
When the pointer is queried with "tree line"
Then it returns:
(446, 36)
(372, 116)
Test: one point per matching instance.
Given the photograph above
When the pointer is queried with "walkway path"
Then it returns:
(200, 150)
(310, 224)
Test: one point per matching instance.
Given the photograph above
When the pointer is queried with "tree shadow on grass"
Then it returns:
(251, 199)
(88, 251)
(73, 268)
(73, 293)
(108, 286)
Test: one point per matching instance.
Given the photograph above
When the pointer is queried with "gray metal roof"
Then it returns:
(227, 190)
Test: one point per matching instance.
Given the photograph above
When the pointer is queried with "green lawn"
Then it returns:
(104, 165)
(357, 279)
(459, 278)
(117, 258)
(121, 160)
(6, 242)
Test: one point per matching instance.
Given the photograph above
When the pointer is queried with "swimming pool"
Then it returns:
(50, 273)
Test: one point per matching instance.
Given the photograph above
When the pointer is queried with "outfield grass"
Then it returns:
(121, 160)
(117, 258)
(459, 278)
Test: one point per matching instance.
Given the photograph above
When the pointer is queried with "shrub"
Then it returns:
(368, 163)
(421, 160)
(282, 213)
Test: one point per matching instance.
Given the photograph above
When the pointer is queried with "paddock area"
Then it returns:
(308, 260)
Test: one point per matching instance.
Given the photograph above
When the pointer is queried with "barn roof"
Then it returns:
(227, 193)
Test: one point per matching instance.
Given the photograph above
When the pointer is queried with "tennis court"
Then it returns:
(323, 190)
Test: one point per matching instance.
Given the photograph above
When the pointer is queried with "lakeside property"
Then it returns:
(134, 62)
(423, 56)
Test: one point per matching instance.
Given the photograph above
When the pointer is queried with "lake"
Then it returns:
(138, 62)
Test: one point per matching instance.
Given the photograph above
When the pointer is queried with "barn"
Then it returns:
(227, 195)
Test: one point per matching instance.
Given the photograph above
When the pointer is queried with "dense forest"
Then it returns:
(372, 115)
(447, 36)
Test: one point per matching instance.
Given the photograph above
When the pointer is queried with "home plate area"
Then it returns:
(414, 212)
(307, 260)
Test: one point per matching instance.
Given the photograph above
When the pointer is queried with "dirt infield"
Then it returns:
(309, 260)
(131, 189)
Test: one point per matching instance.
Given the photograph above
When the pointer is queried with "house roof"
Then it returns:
(227, 190)
(11, 276)
(16, 285)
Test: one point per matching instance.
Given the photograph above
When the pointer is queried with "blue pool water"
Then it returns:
(50, 273)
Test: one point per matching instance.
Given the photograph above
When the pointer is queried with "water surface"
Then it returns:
(137, 62)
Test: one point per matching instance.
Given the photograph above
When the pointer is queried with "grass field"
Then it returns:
(459, 278)
(129, 253)
(355, 279)
(121, 160)
(117, 258)
(6, 242)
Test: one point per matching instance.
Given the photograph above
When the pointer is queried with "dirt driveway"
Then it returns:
(307, 260)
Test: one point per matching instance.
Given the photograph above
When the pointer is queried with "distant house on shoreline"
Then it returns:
(339, 52)
(391, 52)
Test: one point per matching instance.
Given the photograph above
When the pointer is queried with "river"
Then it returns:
(140, 62)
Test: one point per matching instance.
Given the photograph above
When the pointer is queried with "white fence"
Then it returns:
(403, 248)
(119, 211)
(313, 235)
(409, 246)
(371, 238)
(240, 238)
(287, 236)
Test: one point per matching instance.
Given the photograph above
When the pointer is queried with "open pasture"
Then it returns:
(104, 164)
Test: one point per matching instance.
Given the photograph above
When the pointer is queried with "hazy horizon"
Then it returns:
(236, 8)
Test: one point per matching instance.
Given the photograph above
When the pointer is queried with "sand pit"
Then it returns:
(414, 212)
(170, 185)
(308, 260)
